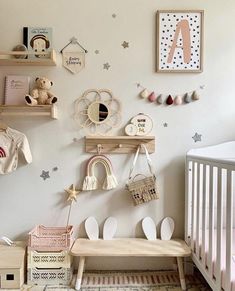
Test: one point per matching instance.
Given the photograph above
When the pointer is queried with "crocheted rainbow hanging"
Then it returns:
(91, 183)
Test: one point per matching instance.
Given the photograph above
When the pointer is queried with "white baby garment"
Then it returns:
(11, 141)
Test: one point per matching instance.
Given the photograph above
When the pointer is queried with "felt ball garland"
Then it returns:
(185, 98)
(169, 100)
(152, 97)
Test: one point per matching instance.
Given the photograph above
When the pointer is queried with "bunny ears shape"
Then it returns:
(91, 183)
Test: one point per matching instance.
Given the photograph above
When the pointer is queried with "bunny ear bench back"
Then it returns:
(130, 247)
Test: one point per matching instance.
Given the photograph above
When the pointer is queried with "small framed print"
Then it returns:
(180, 41)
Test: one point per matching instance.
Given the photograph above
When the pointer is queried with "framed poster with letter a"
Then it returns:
(180, 41)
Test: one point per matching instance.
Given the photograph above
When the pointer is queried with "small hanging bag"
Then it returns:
(145, 189)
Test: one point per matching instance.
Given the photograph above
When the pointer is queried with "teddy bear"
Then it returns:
(40, 95)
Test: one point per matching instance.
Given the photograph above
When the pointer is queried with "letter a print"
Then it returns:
(183, 28)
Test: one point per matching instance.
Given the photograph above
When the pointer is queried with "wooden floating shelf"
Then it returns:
(118, 144)
(8, 59)
(24, 110)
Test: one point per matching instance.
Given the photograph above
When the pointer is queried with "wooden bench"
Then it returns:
(130, 247)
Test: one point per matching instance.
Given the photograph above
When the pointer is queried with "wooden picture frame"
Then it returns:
(180, 35)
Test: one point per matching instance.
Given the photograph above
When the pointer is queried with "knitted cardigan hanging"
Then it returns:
(91, 183)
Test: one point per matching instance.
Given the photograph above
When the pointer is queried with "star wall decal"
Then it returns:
(97, 52)
(125, 44)
(114, 15)
(45, 175)
(106, 66)
(55, 169)
(72, 193)
(197, 137)
(165, 124)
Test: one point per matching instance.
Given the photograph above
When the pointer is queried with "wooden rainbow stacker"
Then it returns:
(130, 247)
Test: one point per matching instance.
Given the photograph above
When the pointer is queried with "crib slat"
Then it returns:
(229, 230)
(204, 213)
(188, 199)
(193, 208)
(211, 224)
(218, 268)
(198, 208)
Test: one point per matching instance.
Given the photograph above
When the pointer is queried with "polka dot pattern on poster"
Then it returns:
(180, 41)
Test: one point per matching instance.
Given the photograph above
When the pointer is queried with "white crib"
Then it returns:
(210, 208)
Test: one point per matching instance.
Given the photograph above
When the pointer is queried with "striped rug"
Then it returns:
(131, 281)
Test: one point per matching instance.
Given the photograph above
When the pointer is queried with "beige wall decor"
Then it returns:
(73, 60)
(98, 111)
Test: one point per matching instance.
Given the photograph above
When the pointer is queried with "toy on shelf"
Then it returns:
(41, 94)
(12, 264)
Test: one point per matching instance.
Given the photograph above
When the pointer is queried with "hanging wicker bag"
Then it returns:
(142, 190)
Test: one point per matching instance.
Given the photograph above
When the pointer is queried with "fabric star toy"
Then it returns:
(72, 193)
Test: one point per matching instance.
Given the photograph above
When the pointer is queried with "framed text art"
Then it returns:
(180, 41)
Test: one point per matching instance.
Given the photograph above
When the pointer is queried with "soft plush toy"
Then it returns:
(40, 95)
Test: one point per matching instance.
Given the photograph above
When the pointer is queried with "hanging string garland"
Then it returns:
(179, 99)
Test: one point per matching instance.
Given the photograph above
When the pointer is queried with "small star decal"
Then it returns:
(138, 85)
(202, 87)
(197, 137)
(114, 15)
(73, 192)
(165, 124)
(45, 175)
(55, 169)
(106, 66)
(97, 52)
(75, 139)
(125, 44)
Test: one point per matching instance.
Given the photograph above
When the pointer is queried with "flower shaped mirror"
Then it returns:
(98, 111)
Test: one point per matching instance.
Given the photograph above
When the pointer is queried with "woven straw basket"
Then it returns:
(143, 190)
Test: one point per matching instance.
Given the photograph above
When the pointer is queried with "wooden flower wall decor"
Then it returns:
(98, 111)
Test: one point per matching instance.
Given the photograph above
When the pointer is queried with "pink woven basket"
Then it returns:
(43, 238)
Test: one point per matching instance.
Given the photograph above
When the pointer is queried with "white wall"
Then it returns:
(25, 199)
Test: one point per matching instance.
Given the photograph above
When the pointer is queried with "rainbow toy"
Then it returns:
(2, 153)
(91, 182)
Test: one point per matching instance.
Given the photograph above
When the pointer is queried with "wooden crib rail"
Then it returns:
(209, 215)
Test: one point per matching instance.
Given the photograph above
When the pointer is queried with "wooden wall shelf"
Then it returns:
(118, 144)
(21, 110)
(7, 59)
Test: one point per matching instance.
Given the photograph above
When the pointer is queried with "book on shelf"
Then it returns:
(38, 40)
(16, 87)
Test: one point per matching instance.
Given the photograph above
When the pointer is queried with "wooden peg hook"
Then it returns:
(99, 148)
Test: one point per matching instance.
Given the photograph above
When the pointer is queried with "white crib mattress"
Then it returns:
(224, 152)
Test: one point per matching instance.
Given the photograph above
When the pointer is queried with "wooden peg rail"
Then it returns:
(118, 144)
